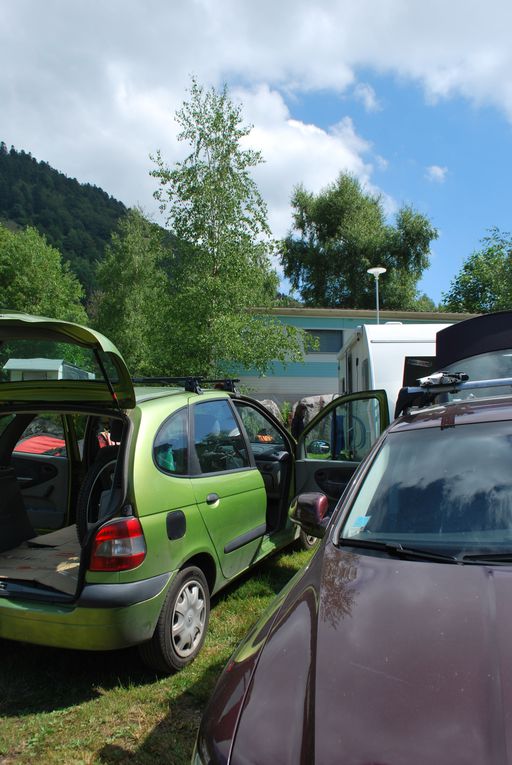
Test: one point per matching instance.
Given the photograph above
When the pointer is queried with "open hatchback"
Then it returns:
(64, 396)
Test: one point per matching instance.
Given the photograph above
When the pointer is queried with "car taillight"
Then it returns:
(118, 546)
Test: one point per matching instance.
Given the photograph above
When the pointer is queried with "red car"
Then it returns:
(41, 443)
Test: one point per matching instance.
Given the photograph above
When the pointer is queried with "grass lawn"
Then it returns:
(86, 708)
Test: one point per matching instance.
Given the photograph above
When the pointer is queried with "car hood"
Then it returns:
(49, 362)
(384, 661)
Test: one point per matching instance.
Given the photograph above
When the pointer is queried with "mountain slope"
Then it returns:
(76, 218)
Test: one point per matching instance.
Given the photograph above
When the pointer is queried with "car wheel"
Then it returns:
(307, 541)
(98, 479)
(182, 624)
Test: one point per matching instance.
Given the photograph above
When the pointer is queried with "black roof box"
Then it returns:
(483, 334)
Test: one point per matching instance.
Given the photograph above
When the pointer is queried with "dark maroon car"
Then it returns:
(394, 645)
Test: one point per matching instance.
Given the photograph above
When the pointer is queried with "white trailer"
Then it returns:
(387, 356)
(44, 369)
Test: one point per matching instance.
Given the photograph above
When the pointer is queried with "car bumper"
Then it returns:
(105, 617)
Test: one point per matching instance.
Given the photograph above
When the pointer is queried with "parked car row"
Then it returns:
(391, 645)
(126, 508)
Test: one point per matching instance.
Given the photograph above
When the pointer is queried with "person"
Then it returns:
(297, 425)
(105, 437)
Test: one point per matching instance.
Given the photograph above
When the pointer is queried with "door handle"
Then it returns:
(212, 499)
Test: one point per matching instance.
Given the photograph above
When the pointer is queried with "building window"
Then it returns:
(329, 340)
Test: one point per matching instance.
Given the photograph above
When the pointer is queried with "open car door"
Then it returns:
(335, 442)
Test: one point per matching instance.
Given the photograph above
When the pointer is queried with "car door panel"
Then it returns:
(330, 479)
(233, 509)
(44, 484)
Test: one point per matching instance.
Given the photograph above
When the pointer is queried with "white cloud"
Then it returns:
(296, 152)
(381, 162)
(436, 173)
(91, 87)
(367, 96)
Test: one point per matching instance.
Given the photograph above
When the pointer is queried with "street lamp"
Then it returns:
(376, 272)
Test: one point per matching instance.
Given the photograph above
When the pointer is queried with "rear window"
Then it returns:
(433, 487)
(170, 448)
(30, 360)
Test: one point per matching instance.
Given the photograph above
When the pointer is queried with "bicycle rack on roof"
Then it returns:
(425, 393)
(191, 383)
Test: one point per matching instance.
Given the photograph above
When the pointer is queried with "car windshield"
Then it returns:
(447, 490)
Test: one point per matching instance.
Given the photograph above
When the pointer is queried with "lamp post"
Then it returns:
(376, 272)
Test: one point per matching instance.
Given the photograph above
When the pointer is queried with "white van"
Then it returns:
(387, 357)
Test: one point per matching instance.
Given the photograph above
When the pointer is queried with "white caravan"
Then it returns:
(387, 357)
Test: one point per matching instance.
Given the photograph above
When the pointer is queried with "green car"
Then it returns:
(123, 510)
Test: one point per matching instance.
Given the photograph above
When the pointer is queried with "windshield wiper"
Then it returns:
(396, 549)
(483, 557)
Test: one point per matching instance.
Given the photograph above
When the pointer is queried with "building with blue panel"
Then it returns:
(318, 373)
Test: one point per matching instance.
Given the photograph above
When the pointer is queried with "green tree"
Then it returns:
(286, 301)
(424, 303)
(341, 232)
(484, 282)
(132, 301)
(34, 279)
(223, 267)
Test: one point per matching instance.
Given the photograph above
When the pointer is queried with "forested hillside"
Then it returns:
(76, 218)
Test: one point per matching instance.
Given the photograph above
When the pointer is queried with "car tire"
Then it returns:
(97, 479)
(307, 541)
(181, 628)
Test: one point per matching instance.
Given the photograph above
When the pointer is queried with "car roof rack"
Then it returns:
(425, 393)
(191, 383)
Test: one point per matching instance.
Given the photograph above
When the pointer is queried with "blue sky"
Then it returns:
(413, 98)
(472, 145)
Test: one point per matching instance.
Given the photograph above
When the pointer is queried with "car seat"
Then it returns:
(15, 526)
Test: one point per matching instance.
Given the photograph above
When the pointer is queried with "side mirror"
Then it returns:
(309, 511)
(318, 449)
